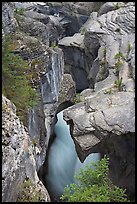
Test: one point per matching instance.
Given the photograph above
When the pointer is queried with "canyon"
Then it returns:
(83, 49)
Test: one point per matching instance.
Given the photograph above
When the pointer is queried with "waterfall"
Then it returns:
(63, 161)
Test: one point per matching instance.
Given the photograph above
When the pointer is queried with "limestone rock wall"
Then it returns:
(18, 155)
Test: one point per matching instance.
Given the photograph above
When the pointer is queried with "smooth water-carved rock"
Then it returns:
(103, 116)
(18, 155)
(105, 123)
(51, 80)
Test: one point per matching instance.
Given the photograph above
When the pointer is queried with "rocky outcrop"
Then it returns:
(71, 15)
(18, 156)
(109, 106)
(75, 60)
(109, 128)
(115, 32)
(103, 115)
(104, 42)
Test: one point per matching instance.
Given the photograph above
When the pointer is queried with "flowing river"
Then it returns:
(63, 161)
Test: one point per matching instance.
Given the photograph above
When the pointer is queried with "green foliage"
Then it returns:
(78, 98)
(4, 108)
(83, 30)
(117, 67)
(15, 85)
(29, 193)
(34, 141)
(119, 55)
(117, 6)
(120, 58)
(104, 52)
(20, 11)
(118, 84)
(53, 44)
(129, 46)
(93, 185)
(104, 61)
(108, 91)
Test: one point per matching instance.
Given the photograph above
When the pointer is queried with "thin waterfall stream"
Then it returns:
(63, 161)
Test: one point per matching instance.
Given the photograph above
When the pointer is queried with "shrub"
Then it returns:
(29, 193)
(78, 98)
(129, 47)
(117, 67)
(53, 44)
(15, 84)
(118, 84)
(119, 56)
(83, 30)
(117, 6)
(20, 11)
(93, 185)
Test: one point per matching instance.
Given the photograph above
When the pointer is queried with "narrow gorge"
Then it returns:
(81, 61)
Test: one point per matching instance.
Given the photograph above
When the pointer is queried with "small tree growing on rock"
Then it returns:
(93, 185)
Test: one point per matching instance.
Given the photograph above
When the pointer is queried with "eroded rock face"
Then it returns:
(75, 60)
(109, 109)
(103, 116)
(115, 32)
(46, 68)
(18, 155)
(106, 124)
